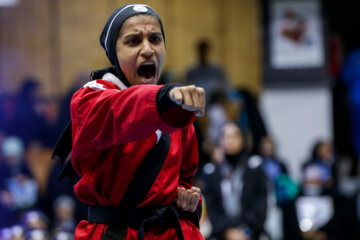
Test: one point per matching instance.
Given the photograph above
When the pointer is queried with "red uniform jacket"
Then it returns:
(112, 131)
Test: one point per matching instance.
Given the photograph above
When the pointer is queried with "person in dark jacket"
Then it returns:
(234, 188)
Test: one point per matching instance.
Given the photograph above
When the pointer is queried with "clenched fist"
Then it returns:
(188, 199)
(190, 98)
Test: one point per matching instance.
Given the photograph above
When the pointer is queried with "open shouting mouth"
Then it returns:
(147, 72)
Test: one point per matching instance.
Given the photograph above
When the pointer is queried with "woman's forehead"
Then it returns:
(139, 23)
(231, 127)
(231, 130)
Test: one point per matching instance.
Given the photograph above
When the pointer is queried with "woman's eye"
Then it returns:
(155, 39)
(132, 41)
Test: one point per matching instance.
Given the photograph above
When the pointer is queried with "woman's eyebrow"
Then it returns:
(131, 35)
(157, 33)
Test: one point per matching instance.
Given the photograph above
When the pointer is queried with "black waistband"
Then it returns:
(138, 218)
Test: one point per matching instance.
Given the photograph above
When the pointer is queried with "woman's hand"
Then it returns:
(190, 98)
(188, 199)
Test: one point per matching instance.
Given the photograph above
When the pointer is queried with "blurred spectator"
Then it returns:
(64, 208)
(325, 163)
(234, 189)
(205, 74)
(35, 220)
(37, 234)
(281, 222)
(17, 187)
(216, 115)
(238, 106)
(34, 226)
(327, 174)
(276, 172)
(18, 232)
(223, 107)
(314, 210)
(317, 203)
(62, 235)
(15, 232)
(28, 121)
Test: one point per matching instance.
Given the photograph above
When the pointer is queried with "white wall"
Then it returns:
(296, 118)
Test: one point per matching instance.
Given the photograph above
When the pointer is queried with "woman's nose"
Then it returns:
(147, 51)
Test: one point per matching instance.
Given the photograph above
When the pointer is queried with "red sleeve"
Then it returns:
(106, 117)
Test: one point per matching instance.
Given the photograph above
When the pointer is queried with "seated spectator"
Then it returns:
(18, 232)
(35, 219)
(281, 222)
(62, 235)
(18, 190)
(234, 189)
(15, 232)
(325, 161)
(224, 106)
(37, 234)
(35, 225)
(317, 203)
(64, 208)
(314, 209)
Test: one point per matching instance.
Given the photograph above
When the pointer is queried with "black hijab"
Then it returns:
(112, 27)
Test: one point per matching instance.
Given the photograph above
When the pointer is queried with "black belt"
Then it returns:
(138, 218)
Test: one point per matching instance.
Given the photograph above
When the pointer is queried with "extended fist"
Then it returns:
(190, 98)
